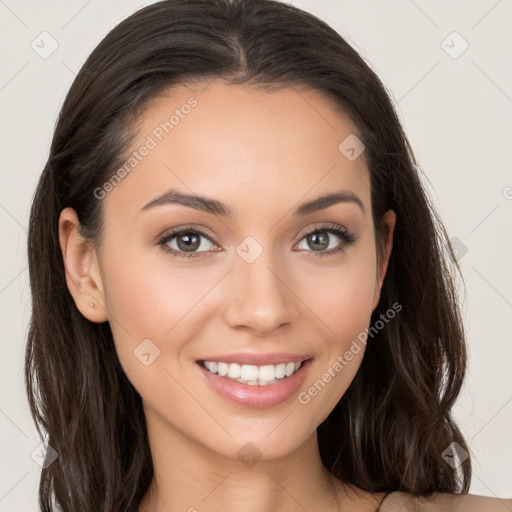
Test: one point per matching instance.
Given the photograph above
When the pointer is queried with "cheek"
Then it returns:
(149, 291)
(342, 295)
(342, 303)
(148, 298)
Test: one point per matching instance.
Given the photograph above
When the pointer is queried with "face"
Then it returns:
(262, 280)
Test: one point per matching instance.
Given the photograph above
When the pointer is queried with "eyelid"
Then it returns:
(325, 227)
(199, 228)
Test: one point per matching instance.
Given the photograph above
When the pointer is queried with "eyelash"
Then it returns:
(346, 237)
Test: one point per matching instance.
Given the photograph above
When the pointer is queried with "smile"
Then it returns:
(251, 374)
(250, 385)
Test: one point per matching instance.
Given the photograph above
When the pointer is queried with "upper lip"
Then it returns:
(258, 359)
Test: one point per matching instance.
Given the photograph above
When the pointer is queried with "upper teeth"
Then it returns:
(252, 374)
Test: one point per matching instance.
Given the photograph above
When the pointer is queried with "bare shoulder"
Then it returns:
(444, 502)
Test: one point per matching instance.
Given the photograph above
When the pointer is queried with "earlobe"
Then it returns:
(82, 269)
(389, 219)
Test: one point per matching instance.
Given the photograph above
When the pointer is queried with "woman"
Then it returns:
(240, 294)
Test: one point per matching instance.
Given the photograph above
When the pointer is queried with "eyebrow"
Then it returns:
(209, 205)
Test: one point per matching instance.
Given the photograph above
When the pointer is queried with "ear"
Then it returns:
(389, 219)
(82, 268)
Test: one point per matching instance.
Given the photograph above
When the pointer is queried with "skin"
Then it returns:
(262, 153)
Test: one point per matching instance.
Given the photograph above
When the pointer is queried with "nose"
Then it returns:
(259, 296)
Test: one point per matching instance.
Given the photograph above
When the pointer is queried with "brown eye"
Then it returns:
(185, 243)
(188, 242)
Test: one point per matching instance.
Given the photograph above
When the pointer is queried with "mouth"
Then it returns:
(256, 386)
(252, 375)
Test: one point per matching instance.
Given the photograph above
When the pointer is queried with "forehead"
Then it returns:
(226, 140)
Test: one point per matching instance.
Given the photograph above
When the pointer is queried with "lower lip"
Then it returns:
(257, 396)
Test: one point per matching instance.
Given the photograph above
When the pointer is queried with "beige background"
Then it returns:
(457, 112)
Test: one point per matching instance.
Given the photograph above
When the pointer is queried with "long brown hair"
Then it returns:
(389, 430)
